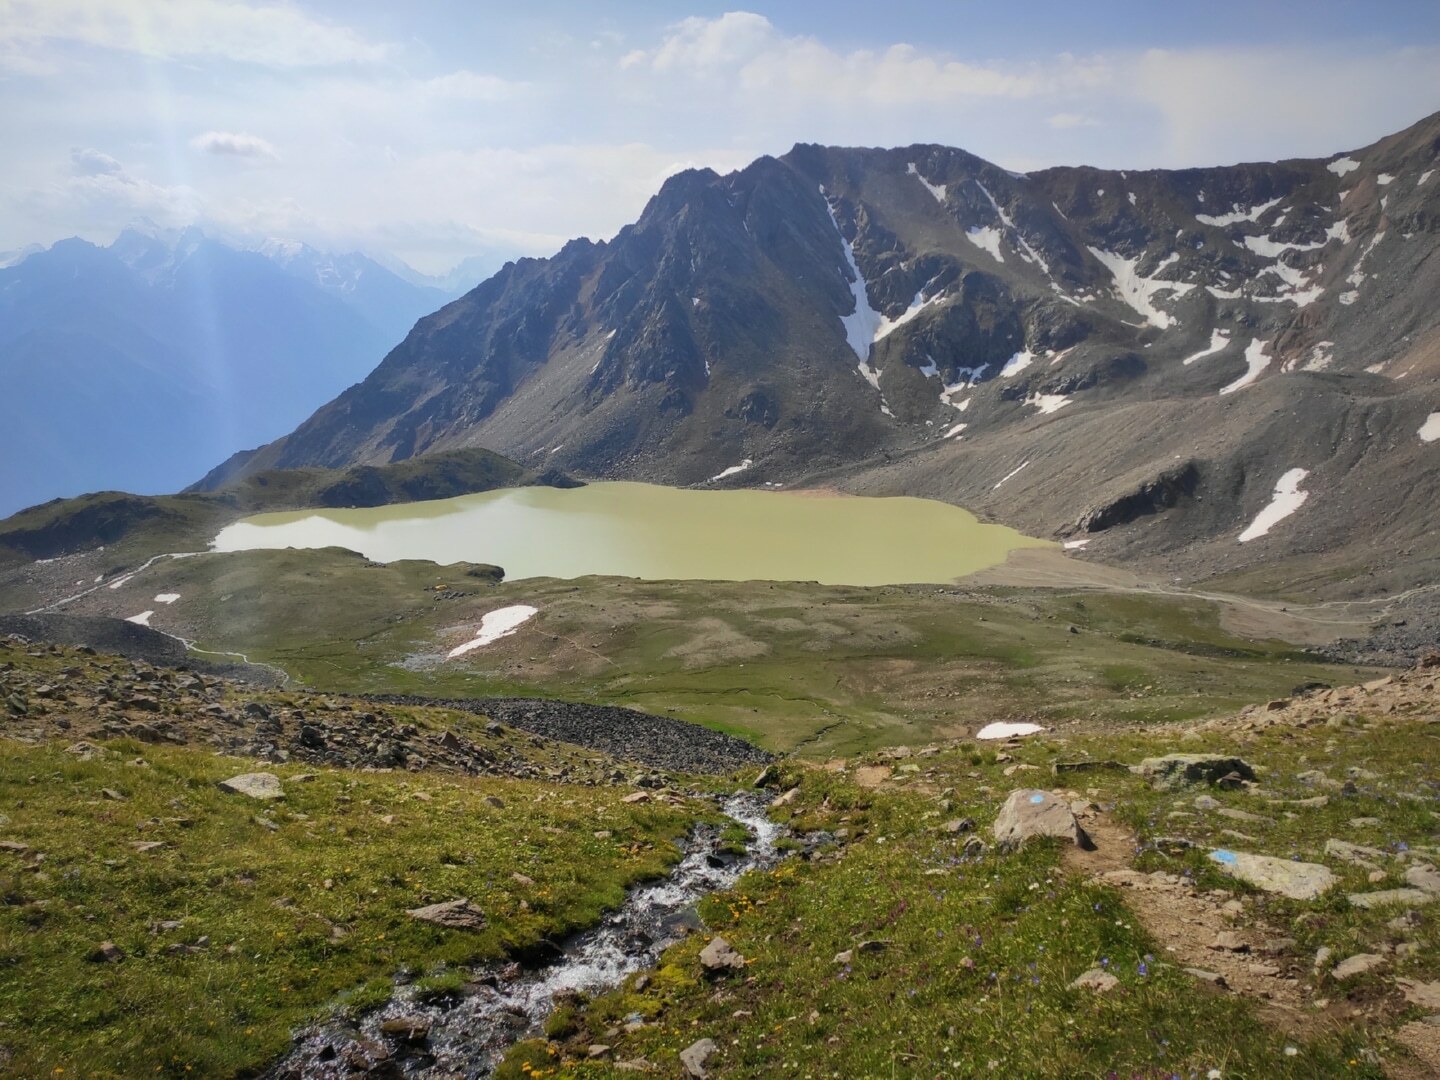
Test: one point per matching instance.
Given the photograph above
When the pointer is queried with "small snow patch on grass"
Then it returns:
(502, 622)
(1002, 730)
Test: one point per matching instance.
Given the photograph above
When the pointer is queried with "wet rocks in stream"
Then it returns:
(466, 1034)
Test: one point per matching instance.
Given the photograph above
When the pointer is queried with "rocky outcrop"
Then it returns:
(1153, 496)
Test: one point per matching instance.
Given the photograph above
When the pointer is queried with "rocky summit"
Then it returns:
(1160, 364)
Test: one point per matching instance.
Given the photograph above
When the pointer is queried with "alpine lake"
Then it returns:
(658, 533)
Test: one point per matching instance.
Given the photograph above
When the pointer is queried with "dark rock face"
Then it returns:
(836, 311)
(1151, 497)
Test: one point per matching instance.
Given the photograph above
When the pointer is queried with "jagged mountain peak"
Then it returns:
(833, 308)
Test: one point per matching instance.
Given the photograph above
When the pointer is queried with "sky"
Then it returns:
(433, 131)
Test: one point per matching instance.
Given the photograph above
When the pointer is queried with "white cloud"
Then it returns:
(469, 86)
(749, 51)
(1257, 104)
(98, 195)
(275, 35)
(1063, 120)
(87, 162)
(233, 144)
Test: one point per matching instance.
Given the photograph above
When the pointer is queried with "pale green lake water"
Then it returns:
(646, 531)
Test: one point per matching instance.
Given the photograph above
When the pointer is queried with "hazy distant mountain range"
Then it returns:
(138, 365)
(1154, 363)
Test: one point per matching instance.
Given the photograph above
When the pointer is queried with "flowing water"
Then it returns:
(468, 1038)
(652, 532)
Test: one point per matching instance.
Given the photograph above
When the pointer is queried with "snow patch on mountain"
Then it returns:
(863, 322)
(956, 430)
(1137, 290)
(938, 190)
(1256, 362)
(1264, 245)
(1028, 253)
(1343, 165)
(1430, 430)
(1357, 276)
(1219, 339)
(886, 325)
(1013, 472)
(1048, 403)
(731, 471)
(1286, 500)
(1320, 357)
(1016, 364)
(1236, 214)
(987, 239)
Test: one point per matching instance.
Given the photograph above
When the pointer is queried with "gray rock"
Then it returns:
(455, 914)
(1242, 815)
(107, 952)
(1183, 770)
(1029, 813)
(259, 785)
(1424, 876)
(1096, 979)
(1207, 802)
(1392, 896)
(720, 956)
(1297, 880)
(768, 776)
(1229, 941)
(695, 1056)
(1355, 965)
(1355, 854)
(1426, 995)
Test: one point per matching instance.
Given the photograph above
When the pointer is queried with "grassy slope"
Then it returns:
(303, 902)
(828, 670)
(979, 951)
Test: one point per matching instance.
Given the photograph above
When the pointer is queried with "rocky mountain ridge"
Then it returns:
(1130, 360)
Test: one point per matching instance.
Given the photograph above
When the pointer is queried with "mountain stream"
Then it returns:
(467, 1036)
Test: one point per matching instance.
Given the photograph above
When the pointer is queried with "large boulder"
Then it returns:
(1028, 813)
(720, 956)
(1183, 770)
(1297, 880)
(257, 785)
(695, 1056)
(455, 914)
